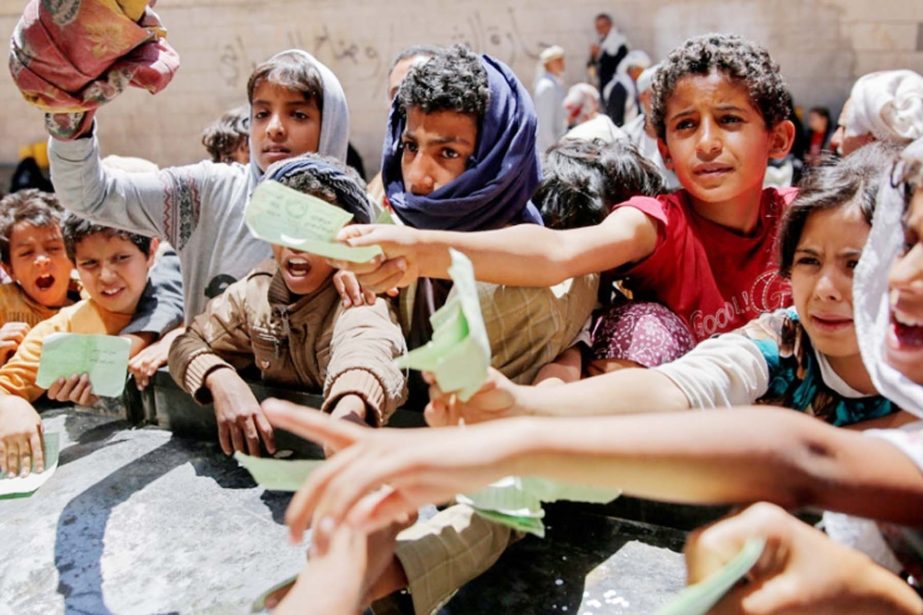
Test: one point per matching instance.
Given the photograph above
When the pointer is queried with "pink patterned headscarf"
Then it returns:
(71, 57)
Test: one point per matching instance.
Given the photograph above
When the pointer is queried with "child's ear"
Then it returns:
(665, 153)
(782, 136)
(152, 251)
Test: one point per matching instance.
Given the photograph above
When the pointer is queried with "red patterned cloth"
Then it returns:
(69, 57)
(644, 332)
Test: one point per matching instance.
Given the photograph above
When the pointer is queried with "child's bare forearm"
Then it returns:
(717, 456)
(521, 255)
(625, 391)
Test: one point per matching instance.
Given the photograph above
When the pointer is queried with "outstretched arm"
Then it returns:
(521, 255)
(711, 457)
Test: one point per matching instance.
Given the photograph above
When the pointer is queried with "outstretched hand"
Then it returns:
(398, 267)
(381, 475)
(800, 571)
(496, 399)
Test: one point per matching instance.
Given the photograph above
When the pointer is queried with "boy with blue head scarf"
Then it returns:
(460, 155)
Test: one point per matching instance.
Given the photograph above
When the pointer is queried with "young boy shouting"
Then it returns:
(285, 318)
(33, 254)
(113, 267)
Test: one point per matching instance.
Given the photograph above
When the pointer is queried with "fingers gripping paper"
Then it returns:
(103, 357)
(279, 214)
(20, 486)
(698, 599)
(459, 353)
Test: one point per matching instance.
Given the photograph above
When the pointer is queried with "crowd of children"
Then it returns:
(612, 307)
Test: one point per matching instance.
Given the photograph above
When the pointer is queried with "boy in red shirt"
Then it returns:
(720, 108)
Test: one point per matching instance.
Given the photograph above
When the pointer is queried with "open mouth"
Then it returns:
(297, 267)
(906, 333)
(44, 282)
(111, 292)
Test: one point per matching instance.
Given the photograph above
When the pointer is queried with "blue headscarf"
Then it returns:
(502, 174)
(349, 194)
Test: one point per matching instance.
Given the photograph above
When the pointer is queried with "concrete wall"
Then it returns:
(822, 46)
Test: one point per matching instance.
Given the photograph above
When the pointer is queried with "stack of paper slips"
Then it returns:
(517, 501)
(459, 353)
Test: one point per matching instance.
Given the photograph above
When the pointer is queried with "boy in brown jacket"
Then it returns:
(285, 317)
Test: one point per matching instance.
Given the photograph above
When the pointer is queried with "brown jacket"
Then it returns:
(310, 342)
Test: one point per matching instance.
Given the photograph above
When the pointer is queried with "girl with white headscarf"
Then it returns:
(888, 302)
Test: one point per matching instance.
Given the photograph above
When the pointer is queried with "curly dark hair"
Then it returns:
(226, 134)
(835, 182)
(452, 80)
(29, 206)
(583, 179)
(738, 59)
(75, 229)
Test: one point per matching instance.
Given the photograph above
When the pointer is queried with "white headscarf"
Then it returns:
(581, 103)
(334, 128)
(888, 105)
(870, 289)
(646, 79)
(635, 57)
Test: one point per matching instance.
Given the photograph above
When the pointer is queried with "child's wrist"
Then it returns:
(216, 376)
(525, 400)
(351, 407)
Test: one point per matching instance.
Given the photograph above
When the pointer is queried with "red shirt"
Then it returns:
(712, 277)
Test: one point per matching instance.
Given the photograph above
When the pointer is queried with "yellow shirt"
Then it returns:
(17, 376)
(16, 306)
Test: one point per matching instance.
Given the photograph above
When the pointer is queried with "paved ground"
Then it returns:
(143, 521)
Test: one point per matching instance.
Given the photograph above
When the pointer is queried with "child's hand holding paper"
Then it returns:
(20, 437)
(459, 353)
(103, 358)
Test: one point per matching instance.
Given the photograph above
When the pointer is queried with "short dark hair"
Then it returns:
(289, 69)
(327, 179)
(583, 179)
(737, 59)
(223, 137)
(452, 80)
(824, 112)
(833, 183)
(75, 229)
(605, 16)
(29, 206)
(414, 51)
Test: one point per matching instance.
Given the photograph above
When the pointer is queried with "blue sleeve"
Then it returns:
(161, 306)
